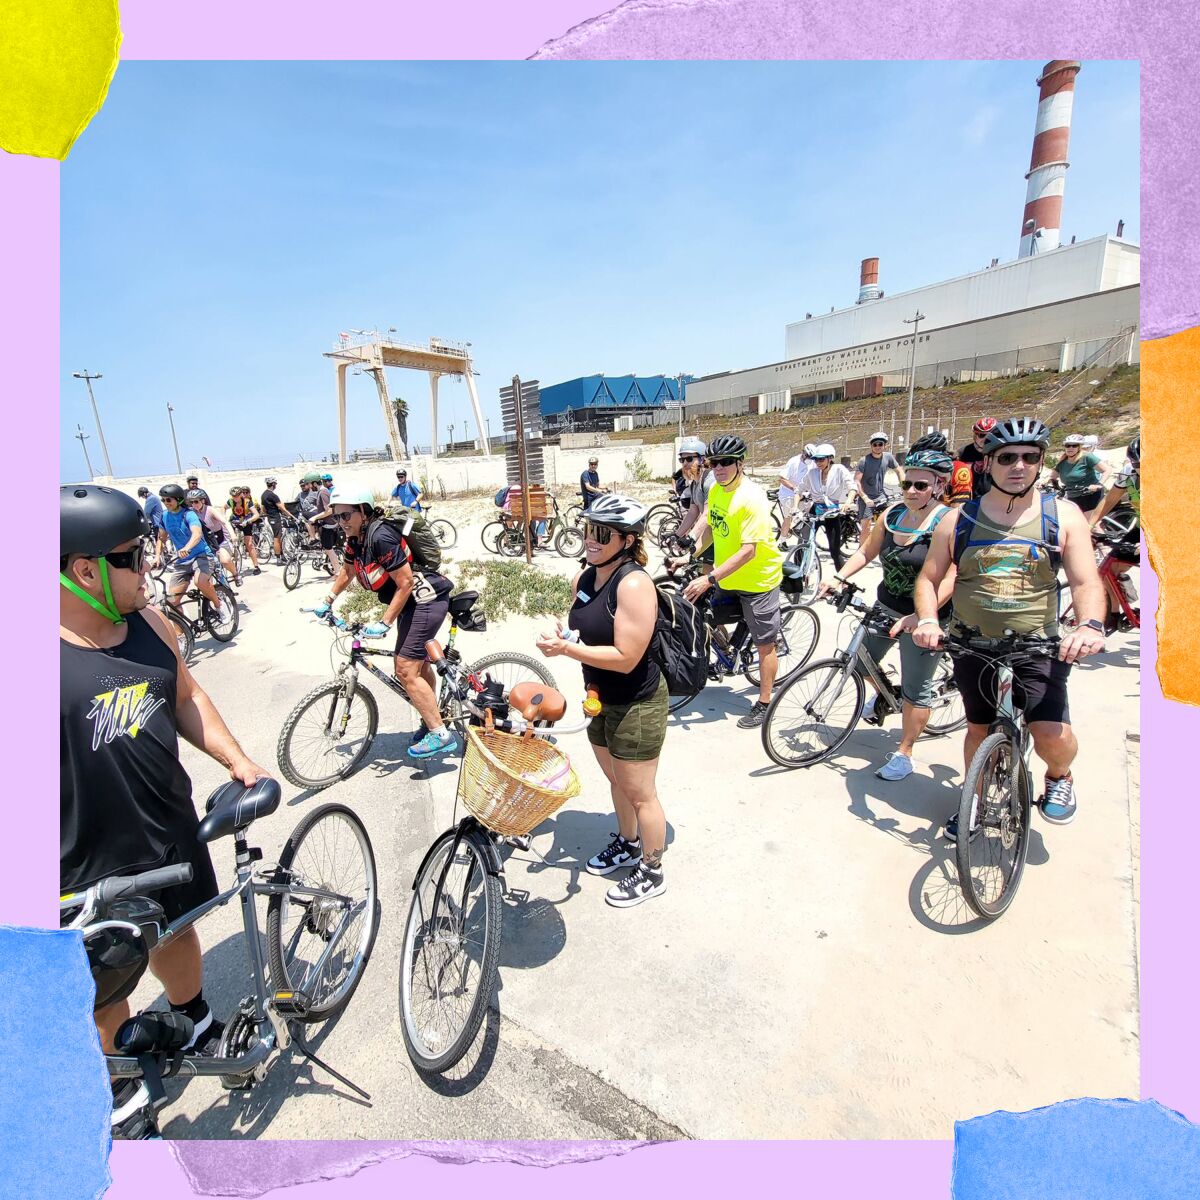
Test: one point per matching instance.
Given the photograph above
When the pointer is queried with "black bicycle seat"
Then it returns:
(462, 604)
(233, 806)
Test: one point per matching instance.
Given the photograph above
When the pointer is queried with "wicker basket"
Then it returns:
(504, 780)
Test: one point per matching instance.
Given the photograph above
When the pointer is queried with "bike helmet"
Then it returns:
(270, 481)
(1017, 431)
(619, 512)
(930, 441)
(172, 491)
(326, 478)
(937, 461)
(692, 445)
(823, 450)
(233, 491)
(194, 494)
(1073, 439)
(143, 490)
(809, 450)
(1091, 441)
(879, 437)
(728, 445)
(312, 477)
(354, 496)
(93, 520)
(1134, 451)
(117, 958)
(984, 425)
(192, 479)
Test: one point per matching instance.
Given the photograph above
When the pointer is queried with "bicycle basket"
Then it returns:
(118, 959)
(512, 784)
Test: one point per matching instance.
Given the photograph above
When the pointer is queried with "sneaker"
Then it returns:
(433, 744)
(642, 883)
(1058, 802)
(421, 730)
(617, 854)
(206, 1035)
(898, 766)
(754, 718)
(257, 571)
(129, 1096)
(867, 714)
(950, 829)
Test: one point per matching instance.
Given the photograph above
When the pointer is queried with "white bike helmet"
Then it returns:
(353, 496)
(810, 451)
(1073, 439)
(879, 437)
(692, 445)
(618, 512)
(824, 450)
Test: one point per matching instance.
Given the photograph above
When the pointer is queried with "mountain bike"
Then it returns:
(445, 533)
(815, 711)
(1124, 611)
(296, 554)
(997, 793)
(221, 619)
(509, 784)
(322, 917)
(328, 735)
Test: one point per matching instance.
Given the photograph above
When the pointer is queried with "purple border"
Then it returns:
(303, 29)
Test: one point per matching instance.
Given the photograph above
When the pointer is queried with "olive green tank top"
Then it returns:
(1007, 579)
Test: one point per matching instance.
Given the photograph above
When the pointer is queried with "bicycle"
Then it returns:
(805, 559)
(322, 918)
(298, 553)
(328, 734)
(564, 539)
(509, 785)
(992, 842)
(813, 714)
(1124, 612)
(443, 530)
(221, 620)
(663, 520)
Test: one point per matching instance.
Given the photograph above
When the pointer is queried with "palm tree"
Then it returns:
(401, 407)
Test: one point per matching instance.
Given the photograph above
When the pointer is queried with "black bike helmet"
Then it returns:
(930, 441)
(728, 445)
(94, 520)
(143, 490)
(1016, 431)
(1134, 451)
(118, 958)
(172, 491)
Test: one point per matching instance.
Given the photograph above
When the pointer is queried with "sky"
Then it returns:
(222, 223)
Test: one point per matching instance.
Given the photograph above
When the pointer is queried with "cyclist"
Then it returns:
(697, 480)
(416, 603)
(1126, 486)
(125, 697)
(407, 493)
(791, 479)
(326, 525)
(1081, 474)
(869, 478)
(276, 514)
(216, 533)
(152, 506)
(191, 482)
(191, 550)
(244, 516)
(1007, 558)
(830, 485)
(973, 455)
(1091, 443)
(589, 482)
(748, 563)
(613, 614)
(900, 540)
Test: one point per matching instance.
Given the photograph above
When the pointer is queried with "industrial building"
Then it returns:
(597, 401)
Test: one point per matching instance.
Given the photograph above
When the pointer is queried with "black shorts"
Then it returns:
(329, 536)
(276, 523)
(1039, 689)
(417, 624)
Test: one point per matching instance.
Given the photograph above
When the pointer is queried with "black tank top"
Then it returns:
(902, 564)
(592, 617)
(126, 799)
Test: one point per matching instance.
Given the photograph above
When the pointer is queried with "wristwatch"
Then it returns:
(1098, 626)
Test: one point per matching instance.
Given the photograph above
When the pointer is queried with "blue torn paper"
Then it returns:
(55, 1099)
(1099, 1149)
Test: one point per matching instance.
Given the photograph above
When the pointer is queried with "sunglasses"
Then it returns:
(723, 462)
(344, 517)
(1007, 458)
(127, 560)
(601, 534)
(919, 484)
(689, 458)
(879, 443)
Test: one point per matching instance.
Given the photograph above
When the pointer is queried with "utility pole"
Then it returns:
(915, 322)
(96, 413)
(450, 443)
(83, 445)
(522, 468)
(174, 439)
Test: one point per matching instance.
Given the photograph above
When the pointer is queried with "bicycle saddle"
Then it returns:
(462, 604)
(537, 702)
(233, 806)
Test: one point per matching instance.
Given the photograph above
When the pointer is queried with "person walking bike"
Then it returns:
(830, 485)
(609, 630)
(748, 563)
(869, 478)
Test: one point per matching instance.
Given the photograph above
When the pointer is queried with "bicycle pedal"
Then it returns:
(290, 1003)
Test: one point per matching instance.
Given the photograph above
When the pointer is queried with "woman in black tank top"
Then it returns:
(611, 624)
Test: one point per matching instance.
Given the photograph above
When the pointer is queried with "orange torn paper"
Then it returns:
(1170, 382)
(57, 58)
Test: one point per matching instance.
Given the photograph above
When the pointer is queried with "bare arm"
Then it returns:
(1115, 495)
(1083, 578)
(929, 593)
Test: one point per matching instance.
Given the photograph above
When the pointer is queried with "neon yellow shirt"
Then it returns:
(738, 517)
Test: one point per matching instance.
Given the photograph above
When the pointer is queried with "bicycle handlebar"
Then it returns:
(118, 887)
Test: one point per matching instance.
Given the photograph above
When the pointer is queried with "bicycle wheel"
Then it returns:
(451, 951)
(445, 533)
(183, 633)
(512, 543)
(568, 542)
(510, 669)
(327, 737)
(799, 629)
(222, 620)
(291, 574)
(947, 714)
(992, 861)
(490, 536)
(814, 712)
(573, 515)
(264, 540)
(320, 945)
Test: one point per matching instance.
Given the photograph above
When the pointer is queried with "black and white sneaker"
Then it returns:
(755, 717)
(643, 883)
(206, 1035)
(129, 1098)
(617, 854)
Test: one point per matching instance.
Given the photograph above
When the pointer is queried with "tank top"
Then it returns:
(902, 564)
(592, 617)
(1007, 579)
(125, 798)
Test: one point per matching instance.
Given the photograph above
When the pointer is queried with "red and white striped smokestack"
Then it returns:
(1042, 223)
(868, 281)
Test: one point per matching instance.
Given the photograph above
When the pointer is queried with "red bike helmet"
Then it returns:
(984, 425)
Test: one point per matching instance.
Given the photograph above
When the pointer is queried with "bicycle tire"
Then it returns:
(780, 736)
(184, 635)
(952, 716)
(222, 630)
(573, 515)
(568, 542)
(433, 940)
(329, 693)
(445, 533)
(799, 629)
(291, 574)
(524, 669)
(995, 753)
(283, 973)
(512, 543)
(490, 536)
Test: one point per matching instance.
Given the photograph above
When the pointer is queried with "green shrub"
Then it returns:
(637, 469)
(510, 586)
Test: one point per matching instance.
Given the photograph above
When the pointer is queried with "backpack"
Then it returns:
(969, 515)
(680, 641)
(422, 542)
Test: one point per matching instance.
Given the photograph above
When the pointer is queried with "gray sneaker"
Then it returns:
(755, 717)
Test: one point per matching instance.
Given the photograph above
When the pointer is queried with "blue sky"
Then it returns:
(223, 222)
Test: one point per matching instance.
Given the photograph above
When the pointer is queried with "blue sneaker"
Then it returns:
(1058, 803)
(421, 730)
(433, 744)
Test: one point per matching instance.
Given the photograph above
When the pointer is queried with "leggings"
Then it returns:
(833, 531)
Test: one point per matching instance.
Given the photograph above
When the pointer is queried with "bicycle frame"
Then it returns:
(1118, 600)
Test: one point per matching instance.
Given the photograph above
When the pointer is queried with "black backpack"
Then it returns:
(422, 542)
(680, 642)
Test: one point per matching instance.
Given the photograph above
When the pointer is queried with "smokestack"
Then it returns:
(1120, 229)
(1042, 221)
(868, 281)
